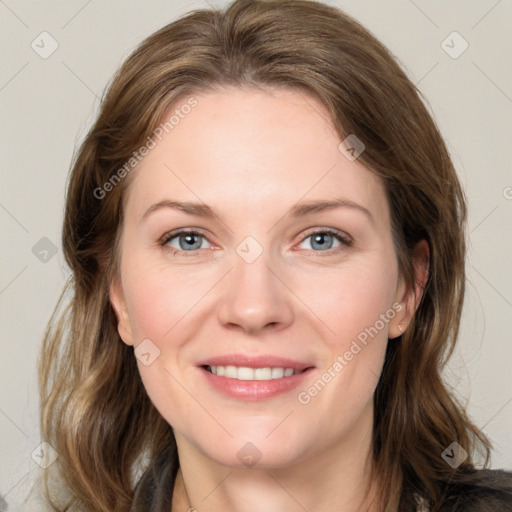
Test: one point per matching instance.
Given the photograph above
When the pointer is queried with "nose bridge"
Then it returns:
(253, 295)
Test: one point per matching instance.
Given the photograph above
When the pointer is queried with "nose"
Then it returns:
(254, 296)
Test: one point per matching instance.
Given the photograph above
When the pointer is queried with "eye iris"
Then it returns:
(320, 238)
(189, 241)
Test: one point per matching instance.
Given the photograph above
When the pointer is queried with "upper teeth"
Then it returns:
(244, 373)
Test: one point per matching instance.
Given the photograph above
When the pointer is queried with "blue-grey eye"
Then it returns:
(187, 241)
(323, 240)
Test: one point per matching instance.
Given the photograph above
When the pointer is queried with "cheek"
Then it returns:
(356, 304)
(355, 297)
(162, 306)
(160, 300)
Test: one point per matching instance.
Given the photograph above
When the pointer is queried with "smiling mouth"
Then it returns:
(255, 374)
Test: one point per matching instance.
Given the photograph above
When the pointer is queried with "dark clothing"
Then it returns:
(483, 490)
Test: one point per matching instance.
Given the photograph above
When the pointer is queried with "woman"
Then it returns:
(266, 235)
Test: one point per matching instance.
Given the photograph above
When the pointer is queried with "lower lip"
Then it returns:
(254, 390)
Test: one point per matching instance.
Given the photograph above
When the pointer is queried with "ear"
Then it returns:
(410, 298)
(118, 302)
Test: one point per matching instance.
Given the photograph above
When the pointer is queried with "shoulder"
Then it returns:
(483, 490)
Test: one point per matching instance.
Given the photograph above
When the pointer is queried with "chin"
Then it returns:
(248, 452)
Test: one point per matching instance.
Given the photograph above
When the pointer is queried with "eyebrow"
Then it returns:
(298, 210)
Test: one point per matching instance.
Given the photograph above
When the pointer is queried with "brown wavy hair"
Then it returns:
(94, 408)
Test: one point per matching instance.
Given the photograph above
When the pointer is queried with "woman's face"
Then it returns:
(261, 279)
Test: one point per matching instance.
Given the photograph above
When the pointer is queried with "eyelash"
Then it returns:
(343, 239)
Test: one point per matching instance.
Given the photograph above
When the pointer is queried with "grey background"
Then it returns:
(48, 104)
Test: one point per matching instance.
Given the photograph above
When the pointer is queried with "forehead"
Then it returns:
(247, 149)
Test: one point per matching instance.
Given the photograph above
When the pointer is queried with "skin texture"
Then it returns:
(251, 155)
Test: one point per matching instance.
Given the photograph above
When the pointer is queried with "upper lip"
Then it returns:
(263, 361)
